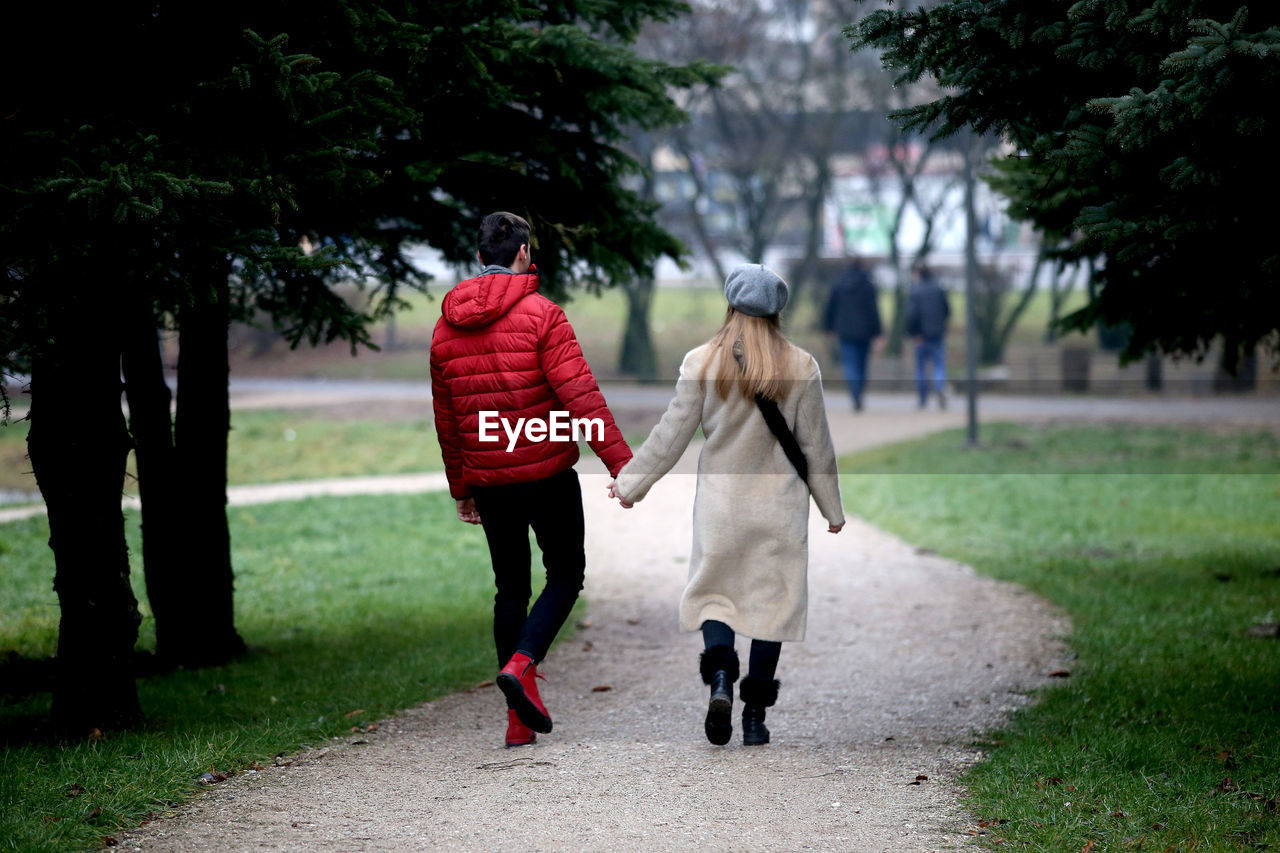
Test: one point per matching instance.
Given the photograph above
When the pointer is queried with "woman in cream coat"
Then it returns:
(749, 566)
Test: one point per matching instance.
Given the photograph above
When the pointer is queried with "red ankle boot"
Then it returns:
(518, 682)
(518, 734)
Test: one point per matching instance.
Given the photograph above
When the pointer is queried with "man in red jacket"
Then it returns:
(512, 393)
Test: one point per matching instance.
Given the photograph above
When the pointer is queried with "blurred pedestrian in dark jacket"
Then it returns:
(854, 317)
(927, 313)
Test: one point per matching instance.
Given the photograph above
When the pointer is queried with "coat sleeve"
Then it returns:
(447, 429)
(913, 313)
(873, 309)
(814, 436)
(829, 310)
(668, 440)
(561, 360)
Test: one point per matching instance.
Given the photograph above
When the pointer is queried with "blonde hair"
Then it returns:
(749, 353)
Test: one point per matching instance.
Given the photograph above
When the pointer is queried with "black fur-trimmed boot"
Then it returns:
(757, 694)
(719, 665)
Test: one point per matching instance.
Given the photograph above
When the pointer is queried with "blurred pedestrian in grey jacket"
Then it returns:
(927, 313)
(853, 316)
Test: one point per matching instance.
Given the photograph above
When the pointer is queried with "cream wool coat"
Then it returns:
(750, 560)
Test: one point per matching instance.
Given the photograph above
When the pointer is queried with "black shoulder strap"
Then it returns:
(778, 426)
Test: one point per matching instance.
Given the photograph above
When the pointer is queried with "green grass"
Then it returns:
(370, 604)
(275, 446)
(1166, 736)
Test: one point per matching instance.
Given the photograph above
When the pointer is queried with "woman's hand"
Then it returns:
(613, 493)
(835, 528)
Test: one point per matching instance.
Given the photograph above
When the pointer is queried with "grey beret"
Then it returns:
(756, 290)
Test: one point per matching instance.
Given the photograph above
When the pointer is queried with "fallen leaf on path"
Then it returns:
(633, 621)
(354, 713)
(588, 646)
(585, 623)
(212, 778)
(372, 727)
(601, 688)
(919, 778)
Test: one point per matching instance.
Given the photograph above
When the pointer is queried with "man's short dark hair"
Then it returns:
(501, 236)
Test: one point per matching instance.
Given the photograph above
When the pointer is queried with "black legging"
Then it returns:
(764, 653)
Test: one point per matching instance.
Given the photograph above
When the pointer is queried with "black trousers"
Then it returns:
(763, 662)
(553, 509)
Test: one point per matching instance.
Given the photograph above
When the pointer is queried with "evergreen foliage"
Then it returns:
(1140, 131)
(165, 162)
(147, 138)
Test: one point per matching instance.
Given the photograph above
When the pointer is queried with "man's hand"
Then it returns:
(467, 511)
(613, 493)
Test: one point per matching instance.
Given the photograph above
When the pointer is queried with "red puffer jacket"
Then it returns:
(502, 347)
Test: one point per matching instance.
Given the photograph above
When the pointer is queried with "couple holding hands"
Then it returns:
(500, 346)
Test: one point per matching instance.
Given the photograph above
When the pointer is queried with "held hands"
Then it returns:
(613, 493)
(467, 511)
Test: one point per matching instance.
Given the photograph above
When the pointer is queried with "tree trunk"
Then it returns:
(813, 234)
(164, 554)
(208, 636)
(638, 357)
(898, 317)
(695, 215)
(79, 446)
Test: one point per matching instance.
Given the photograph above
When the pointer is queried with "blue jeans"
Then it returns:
(931, 350)
(853, 358)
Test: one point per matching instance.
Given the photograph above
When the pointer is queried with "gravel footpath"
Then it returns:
(908, 656)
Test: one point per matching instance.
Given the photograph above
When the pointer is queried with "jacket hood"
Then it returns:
(481, 301)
